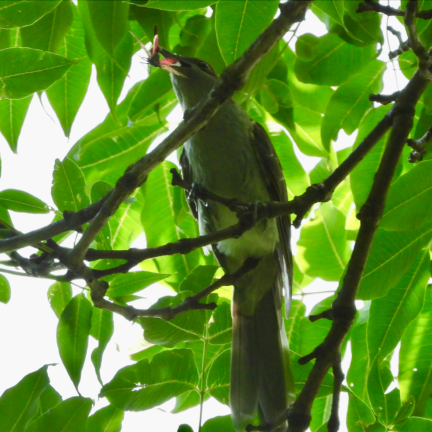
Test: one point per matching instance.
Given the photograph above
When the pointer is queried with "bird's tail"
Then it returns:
(261, 380)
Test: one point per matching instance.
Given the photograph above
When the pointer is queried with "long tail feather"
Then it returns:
(259, 363)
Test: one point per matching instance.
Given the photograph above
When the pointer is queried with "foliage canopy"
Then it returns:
(304, 97)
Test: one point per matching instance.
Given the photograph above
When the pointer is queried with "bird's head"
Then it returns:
(192, 78)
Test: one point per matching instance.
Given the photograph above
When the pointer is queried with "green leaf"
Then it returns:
(384, 403)
(189, 326)
(102, 329)
(293, 325)
(312, 334)
(359, 415)
(67, 94)
(364, 27)
(108, 156)
(217, 424)
(306, 130)
(178, 5)
(333, 8)
(69, 187)
(220, 329)
(184, 428)
(24, 71)
(111, 69)
(109, 21)
(351, 101)
(301, 373)
(18, 13)
(239, 23)
(5, 291)
(198, 279)
(218, 378)
(132, 283)
(415, 361)
(281, 92)
(193, 34)
(363, 174)
(390, 315)
(126, 223)
(407, 205)
(408, 63)
(19, 404)
(23, 202)
(330, 65)
(148, 18)
(68, 416)
(47, 33)
(72, 336)
(166, 219)
(359, 368)
(405, 410)
(321, 410)
(416, 424)
(147, 384)
(48, 399)
(323, 249)
(311, 96)
(269, 101)
(12, 115)
(258, 76)
(391, 255)
(108, 419)
(154, 89)
(187, 400)
(295, 175)
(59, 295)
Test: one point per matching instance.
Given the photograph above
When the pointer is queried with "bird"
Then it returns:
(233, 157)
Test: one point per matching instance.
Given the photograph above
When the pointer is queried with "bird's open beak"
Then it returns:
(171, 62)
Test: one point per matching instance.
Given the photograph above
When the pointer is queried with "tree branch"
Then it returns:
(372, 6)
(70, 222)
(343, 308)
(419, 146)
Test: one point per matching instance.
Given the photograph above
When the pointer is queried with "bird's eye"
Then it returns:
(203, 65)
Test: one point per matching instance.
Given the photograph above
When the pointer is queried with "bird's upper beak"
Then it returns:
(171, 62)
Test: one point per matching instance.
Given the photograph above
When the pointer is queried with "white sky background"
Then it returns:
(28, 325)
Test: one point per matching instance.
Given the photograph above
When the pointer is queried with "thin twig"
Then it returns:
(372, 6)
(384, 99)
(419, 146)
(191, 303)
(338, 377)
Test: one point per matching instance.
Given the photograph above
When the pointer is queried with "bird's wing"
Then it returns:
(187, 175)
(273, 176)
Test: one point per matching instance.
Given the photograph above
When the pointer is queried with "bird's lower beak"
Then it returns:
(171, 62)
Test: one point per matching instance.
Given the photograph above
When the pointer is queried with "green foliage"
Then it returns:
(305, 96)
(72, 335)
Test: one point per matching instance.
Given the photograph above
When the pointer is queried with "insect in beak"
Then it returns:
(153, 58)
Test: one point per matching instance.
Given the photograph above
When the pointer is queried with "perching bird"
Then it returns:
(233, 157)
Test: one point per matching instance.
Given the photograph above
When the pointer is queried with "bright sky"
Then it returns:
(28, 337)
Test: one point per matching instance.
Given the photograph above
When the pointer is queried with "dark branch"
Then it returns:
(419, 146)
(417, 47)
(338, 376)
(384, 99)
(72, 222)
(191, 303)
(372, 6)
